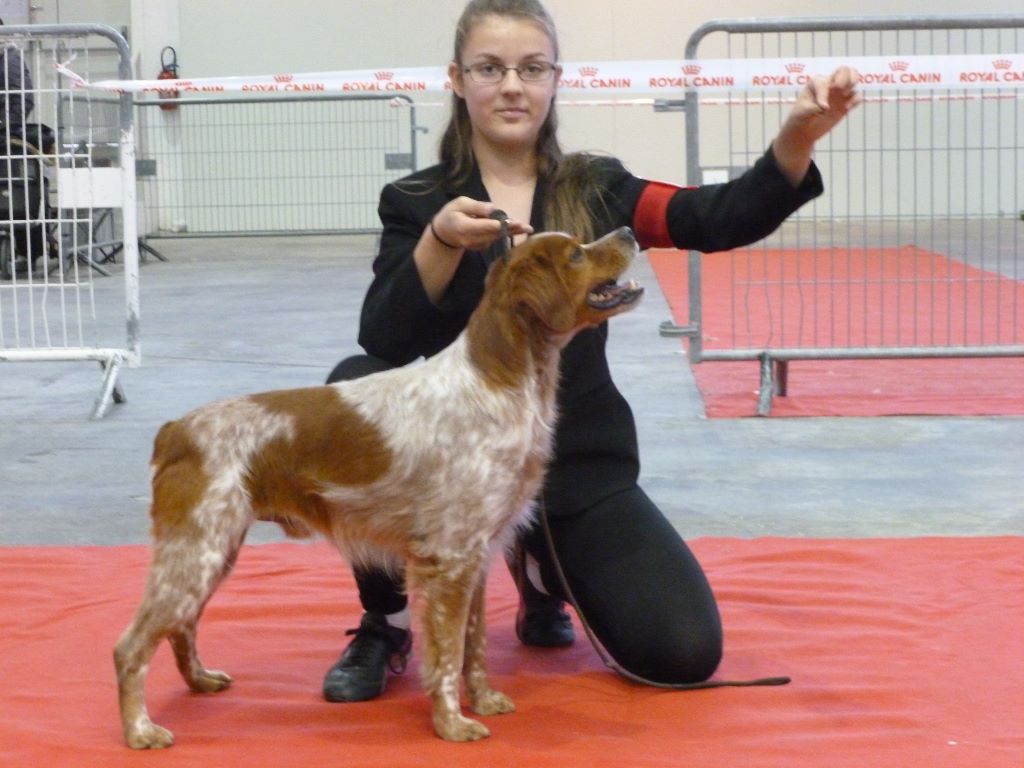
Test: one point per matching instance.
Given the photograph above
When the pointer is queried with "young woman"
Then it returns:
(635, 580)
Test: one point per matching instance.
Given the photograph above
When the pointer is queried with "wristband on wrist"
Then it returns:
(437, 237)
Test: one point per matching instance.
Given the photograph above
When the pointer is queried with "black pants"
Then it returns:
(637, 583)
(28, 239)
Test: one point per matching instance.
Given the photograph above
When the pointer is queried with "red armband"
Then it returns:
(650, 219)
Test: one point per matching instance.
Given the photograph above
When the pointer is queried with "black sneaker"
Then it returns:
(541, 620)
(362, 671)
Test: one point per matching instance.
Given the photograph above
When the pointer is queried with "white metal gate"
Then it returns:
(917, 247)
(303, 163)
(67, 196)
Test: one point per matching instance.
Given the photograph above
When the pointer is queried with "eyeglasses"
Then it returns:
(491, 74)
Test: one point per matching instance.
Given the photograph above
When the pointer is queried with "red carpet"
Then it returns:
(896, 297)
(903, 653)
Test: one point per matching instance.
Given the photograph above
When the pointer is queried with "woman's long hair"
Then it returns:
(571, 192)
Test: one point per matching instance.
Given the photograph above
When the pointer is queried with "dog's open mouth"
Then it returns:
(610, 295)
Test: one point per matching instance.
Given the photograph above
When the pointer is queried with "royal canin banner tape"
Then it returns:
(610, 78)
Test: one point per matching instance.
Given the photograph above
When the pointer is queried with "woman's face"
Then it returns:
(506, 115)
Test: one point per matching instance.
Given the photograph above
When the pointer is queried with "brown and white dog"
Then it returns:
(434, 465)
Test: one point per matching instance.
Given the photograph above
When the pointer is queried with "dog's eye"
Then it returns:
(576, 256)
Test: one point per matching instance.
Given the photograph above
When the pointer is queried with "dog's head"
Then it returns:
(562, 286)
(541, 294)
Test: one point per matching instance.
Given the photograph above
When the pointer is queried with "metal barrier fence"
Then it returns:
(917, 247)
(296, 164)
(67, 192)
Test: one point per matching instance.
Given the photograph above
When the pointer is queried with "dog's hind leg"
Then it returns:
(196, 676)
(132, 655)
(482, 698)
(183, 642)
(187, 566)
(446, 588)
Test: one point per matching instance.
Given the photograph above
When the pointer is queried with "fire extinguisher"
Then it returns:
(168, 71)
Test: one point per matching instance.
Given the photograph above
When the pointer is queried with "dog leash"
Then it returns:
(606, 657)
(501, 248)
(504, 242)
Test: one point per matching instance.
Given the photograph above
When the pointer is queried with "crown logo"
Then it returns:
(283, 78)
(899, 66)
(1002, 63)
(588, 71)
(796, 67)
(691, 69)
(384, 75)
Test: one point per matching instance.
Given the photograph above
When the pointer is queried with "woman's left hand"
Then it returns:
(821, 105)
(824, 102)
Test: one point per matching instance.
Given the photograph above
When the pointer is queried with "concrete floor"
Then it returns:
(227, 316)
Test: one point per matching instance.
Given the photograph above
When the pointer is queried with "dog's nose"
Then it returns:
(625, 234)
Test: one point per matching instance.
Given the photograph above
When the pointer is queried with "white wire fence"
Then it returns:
(270, 165)
(67, 195)
(917, 247)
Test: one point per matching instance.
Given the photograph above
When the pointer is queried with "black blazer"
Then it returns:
(596, 451)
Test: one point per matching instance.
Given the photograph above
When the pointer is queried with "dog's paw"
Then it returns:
(148, 735)
(210, 681)
(460, 728)
(492, 702)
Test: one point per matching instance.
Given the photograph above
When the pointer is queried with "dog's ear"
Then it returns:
(540, 288)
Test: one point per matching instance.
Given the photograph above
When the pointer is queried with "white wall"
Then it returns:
(264, 36)
(232, 37)
(112, 12)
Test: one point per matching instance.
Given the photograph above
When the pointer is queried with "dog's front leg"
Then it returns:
(447, 591)
(482, 698)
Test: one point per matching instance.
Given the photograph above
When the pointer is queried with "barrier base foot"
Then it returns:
(110, 391)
